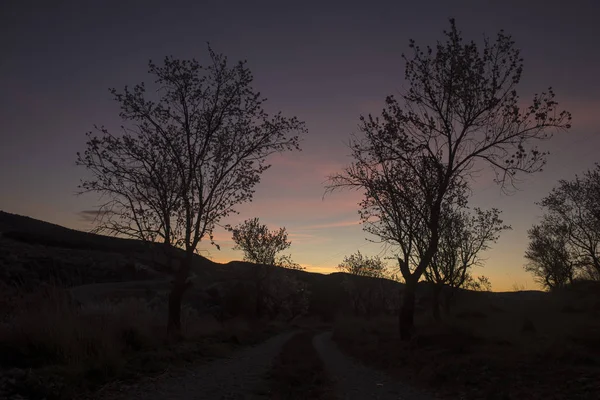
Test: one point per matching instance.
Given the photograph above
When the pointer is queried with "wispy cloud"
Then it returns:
(91, 215)
(302, 169)
(328, 225)
(303, 238)
(305, 208)
(586, 114)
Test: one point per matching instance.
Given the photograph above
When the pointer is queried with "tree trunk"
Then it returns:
(435, 303)
(175, 298)
(180, 285)
(407, 311)
(596, 262)
(450, 298)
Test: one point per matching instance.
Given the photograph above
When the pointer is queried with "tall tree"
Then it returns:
(460, 114)
(463, 237)
(190, 150)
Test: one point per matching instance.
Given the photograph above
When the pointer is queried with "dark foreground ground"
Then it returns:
(536, 347)
(83, 316)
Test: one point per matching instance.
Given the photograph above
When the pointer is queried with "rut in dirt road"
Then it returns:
(355, 381)
(298, 372)
(233, 378)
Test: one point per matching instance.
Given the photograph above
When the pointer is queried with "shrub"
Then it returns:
(49, 329)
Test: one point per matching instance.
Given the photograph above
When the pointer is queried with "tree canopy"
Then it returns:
(261, 245)
(190, 150)
(566, 243)
(460, 114)
(359, 264)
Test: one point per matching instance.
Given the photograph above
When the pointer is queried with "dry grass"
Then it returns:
(492, 347)
(69, 349)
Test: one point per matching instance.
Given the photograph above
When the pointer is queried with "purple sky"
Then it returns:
(323, 62)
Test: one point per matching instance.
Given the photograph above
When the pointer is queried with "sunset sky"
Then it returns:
(325, 62)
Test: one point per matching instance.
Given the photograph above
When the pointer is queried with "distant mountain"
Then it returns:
(34, 231)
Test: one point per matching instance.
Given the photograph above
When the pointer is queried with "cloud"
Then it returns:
(304, 238)
(586, 114)
(299, 170)
(220, 237)
(91, 215)
(288, 207)
(328, 225)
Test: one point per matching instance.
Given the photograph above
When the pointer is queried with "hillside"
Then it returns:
(34, 251)
(118, 280)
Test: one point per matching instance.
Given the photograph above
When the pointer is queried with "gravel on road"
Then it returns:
(238, 377)
(355, 381)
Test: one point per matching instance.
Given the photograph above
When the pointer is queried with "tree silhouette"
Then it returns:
(262, 246)
(188, 153)
(549, 257)
(566, 244)
(367, 295)
(460, 114)
(359, 264)
(463, 236)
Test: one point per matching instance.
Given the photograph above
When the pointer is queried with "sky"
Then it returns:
(325, 62)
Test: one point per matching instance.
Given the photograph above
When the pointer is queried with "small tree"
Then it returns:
(286, 296)
(262, 247)
(188, 153)
(366, 295)
(549, 258)
(359, 264)
(461, 113)
(463, 237)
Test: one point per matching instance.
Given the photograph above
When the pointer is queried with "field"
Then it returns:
(524, 345)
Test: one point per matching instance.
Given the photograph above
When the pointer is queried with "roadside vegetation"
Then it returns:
(527, 345)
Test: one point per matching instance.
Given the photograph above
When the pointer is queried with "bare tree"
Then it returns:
(480, 284)
(262, 247)
(460, 114)
(463, 237)
(550, 259)
(367, 295)
(188, 153)
(575, 207)
(359, 264)
(566, 243)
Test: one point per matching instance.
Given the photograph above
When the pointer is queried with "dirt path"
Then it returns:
(240, 377)
(355, 381)
(245, 376)
(298, 372)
